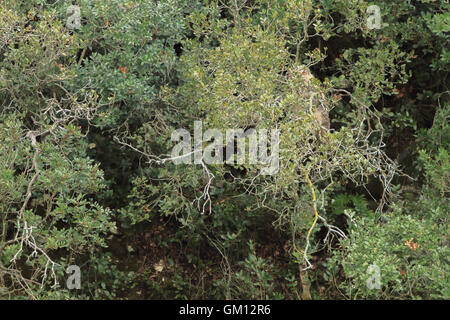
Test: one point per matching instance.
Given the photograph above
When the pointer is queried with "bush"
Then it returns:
(86, 117)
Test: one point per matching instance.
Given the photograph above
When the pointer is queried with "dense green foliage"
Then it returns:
(87, 115)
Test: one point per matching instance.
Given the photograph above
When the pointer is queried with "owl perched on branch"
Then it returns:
(318, 100)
